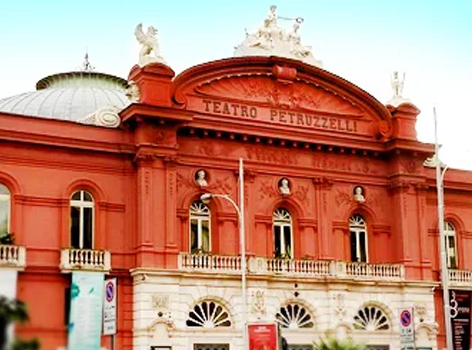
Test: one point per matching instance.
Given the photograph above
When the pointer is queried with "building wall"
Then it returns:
(142, 178)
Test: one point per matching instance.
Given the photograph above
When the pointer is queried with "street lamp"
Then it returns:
(444, 268)
(205, 198)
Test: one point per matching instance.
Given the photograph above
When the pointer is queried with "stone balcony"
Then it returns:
(85, 260)
(12, 256)
(208, 263)
(460, 278)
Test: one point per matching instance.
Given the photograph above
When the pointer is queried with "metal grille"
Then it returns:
(300, 347)
(377, 347)
(210, 346)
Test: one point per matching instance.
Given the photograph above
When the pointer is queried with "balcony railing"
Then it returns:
(299, 267)
(364, 270)
(209, 262)
(290, 267)
(460, 278)
(12, 256)
(85, 259)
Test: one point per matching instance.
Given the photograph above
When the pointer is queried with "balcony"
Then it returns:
(208, 263)
(12, 256)
(460, 278)
(85, 260)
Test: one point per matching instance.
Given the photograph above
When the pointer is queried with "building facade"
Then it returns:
(340, 212)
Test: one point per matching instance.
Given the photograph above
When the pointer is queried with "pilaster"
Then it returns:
(323, 186)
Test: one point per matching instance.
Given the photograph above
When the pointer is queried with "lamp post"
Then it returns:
(205, 198)
(444, 268)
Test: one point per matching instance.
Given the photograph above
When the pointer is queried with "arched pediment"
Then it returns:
(280, 93)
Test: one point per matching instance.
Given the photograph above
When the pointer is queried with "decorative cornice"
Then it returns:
(323, 182)
(381, 228)
(305, 222)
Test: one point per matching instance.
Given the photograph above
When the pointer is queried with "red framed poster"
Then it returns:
(263, 336)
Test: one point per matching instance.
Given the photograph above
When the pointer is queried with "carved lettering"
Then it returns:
(325, 122)
(280, 116)
(216, 107)
(271, 155)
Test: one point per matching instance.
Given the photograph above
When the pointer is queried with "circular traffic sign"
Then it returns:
(110, 291)
(405, 318)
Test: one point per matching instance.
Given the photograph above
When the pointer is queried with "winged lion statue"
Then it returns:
(150, 47)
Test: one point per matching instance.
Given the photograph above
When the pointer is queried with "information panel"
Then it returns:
(85, 322)
(263, 336)
(460, 319)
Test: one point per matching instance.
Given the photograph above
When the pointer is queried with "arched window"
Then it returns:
(282, 233)
(208, 314)
(294, 316)
(358, 235)
(81, 220)
(200, 235)
(4, 210)
(451, 245)
(371, 318)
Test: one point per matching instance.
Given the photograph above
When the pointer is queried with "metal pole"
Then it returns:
(112, 342)
(442, 241)
(242, 238)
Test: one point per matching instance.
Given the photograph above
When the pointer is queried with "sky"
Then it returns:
(363, 41)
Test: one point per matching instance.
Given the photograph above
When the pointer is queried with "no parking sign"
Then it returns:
(109, 307)
(407, 329)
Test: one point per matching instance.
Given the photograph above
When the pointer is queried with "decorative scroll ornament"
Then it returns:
(105, 116)
(150, 52)
(271, 40)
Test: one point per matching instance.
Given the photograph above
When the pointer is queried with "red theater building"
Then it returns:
(104, 175)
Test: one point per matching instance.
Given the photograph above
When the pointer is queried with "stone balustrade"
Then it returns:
(85, 259)
(12, 256)
(207, 262)
(460, 278)
(364, 270)
(290, 267)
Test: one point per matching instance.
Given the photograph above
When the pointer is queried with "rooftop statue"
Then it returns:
(149, 45)
(271, 40)
(397, 87)
(397, 84)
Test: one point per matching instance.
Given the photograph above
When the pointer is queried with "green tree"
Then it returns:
(10, 311)
(335, 344)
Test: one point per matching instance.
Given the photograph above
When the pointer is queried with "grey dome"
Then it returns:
(69, 96)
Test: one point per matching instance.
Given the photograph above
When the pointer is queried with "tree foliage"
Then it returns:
(336, 344)
(12, 310)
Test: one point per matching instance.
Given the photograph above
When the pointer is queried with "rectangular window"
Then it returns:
(358, 246)
(354, 256)
(287, 241)
(194, 236)
(75, 227)
(451, 252)
(88, 228)
(362, 247)
(4, 212)
(277, 242)
(205, 235)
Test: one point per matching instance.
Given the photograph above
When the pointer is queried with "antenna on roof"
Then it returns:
(86, 66)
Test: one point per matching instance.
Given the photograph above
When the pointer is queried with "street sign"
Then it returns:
(407, 329)
(109, 307)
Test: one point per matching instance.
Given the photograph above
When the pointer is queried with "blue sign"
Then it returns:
(405, 318)
(86, 301)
